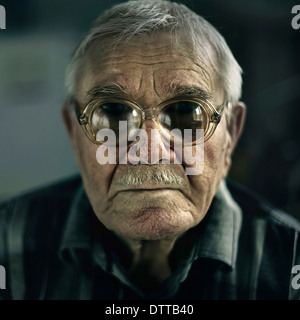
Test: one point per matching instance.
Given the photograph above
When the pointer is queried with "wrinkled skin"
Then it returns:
(150, 218)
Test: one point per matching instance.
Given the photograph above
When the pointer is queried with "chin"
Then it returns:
(154, 224)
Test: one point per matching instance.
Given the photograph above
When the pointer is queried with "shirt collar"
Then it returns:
(218, 239)
(220, 229)
(77, 233)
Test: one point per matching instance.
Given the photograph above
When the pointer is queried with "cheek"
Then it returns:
(205, 185)
(214, 157)
(96, 178)
(215, 150)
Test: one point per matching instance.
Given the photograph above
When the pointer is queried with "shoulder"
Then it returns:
(51, 193)
(31, 225)
(256, 207)
(39, 206)
(44, 207)
(269, 244)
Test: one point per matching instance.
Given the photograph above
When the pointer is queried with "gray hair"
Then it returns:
(140, 17)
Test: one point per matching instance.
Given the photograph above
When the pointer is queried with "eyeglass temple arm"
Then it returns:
(80, 116)
(216, 116)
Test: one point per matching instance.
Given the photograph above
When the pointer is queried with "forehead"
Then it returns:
(146, 63)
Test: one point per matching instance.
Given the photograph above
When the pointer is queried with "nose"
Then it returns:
(153, 149)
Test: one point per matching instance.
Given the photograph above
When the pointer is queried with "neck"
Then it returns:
(152, 261)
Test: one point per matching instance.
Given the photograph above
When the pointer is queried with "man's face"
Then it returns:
(147, 67)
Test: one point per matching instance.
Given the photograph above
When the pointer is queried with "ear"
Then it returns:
(235, 127)
(236, 122)
(69, 118)
(68, 114)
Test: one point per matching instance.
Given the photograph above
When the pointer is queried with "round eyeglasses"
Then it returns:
(177, 113)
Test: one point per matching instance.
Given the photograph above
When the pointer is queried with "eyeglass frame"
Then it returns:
(214, 117)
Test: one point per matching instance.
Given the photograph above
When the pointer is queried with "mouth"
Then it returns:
(139, 189)
(150, 190)
(142, 179)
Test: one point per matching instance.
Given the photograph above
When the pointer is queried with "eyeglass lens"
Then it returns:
(178, 115)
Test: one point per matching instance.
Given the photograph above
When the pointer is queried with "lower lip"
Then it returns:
(149, 190)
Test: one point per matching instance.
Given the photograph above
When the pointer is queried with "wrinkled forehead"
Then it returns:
(172, 60)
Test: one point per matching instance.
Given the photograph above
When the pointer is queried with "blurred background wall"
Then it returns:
(40, 36)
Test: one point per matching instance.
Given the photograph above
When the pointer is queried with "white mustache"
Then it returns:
(138, 176)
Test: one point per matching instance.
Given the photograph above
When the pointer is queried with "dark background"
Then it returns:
(40, 36)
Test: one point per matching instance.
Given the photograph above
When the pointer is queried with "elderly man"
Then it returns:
(159, 226)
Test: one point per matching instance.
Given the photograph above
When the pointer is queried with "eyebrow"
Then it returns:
(109, 90)
(194, 91)
(173, 91)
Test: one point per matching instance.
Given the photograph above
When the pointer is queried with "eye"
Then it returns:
(184, 115)
(184, 107)
(115, 109)
(109, 114)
